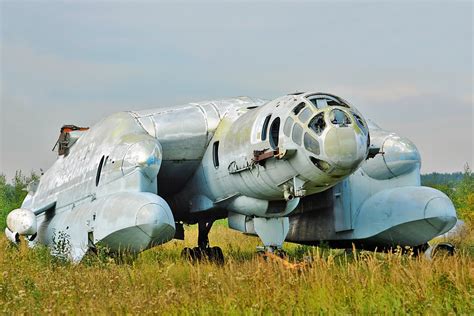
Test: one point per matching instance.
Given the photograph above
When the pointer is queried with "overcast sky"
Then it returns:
(408, 66)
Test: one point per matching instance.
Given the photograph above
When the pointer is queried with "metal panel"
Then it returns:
(342, 207)
(182, 133)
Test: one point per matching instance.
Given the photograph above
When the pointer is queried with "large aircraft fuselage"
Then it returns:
(295, 167)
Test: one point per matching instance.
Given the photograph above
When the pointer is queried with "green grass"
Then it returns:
(159, 281)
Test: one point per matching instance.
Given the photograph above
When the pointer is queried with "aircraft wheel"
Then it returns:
(188, 254)
(441, 249)
(281, 253)
(444, 249)
(215, 255)
(199, 253)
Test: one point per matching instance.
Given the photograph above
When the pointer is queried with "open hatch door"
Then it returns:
(68, 135)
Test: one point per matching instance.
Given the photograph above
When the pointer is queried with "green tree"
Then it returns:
(12, 195)
(459, 187)
(463, 196)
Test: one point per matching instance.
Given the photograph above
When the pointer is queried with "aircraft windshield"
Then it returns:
(317, 124)
(311, 144)
(305, 115)
(323, 101)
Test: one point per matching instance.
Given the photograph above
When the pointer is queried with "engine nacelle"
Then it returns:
(22, 222)
(399, 156)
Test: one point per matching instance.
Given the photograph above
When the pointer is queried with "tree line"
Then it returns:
(436, 178)
(13, 193)
(459, 187)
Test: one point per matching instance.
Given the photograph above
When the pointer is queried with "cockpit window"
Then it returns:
(297, 134)
(287, 127)
(275, 133)
(311, 144)
(298, 108)
(338, 117)
(325, 101)
(319, 103)
(317, 124)
(360, 122)
(336, 103)
(265, 127)
(305, 115)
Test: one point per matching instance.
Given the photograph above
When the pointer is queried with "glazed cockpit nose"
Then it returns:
(341, 147)
(330, 132)
(342, 142)
(339, 117)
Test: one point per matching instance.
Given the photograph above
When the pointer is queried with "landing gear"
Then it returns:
(277, 252)
(203, 251)
(212, 254)
(439, 250)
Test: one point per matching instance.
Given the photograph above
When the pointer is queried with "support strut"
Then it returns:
(204, 227)
(204, 250)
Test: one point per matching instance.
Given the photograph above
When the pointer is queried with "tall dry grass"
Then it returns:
(159, 281)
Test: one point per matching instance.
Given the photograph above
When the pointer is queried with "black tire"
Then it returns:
(444, 248)
(199, 253)
(281, 253)
(215, 255)
(188, 254)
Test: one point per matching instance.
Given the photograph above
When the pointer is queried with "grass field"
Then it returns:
(159, 281)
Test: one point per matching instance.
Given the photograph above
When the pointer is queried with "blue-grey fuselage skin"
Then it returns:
(296, 163)
(380, 206)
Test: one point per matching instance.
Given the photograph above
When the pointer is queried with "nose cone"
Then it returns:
(400, 155)
(156, 221)
(441, 214)
(146, 155)
(22, 221)
(345, 147)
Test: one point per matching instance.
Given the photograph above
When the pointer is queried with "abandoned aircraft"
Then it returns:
(305, 167)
